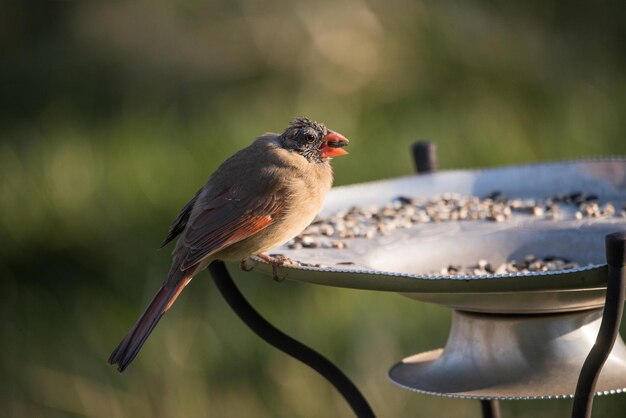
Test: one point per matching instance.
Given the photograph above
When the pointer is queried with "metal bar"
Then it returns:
(276, 338)
(490, 408)
(425, 157)
(609, 328)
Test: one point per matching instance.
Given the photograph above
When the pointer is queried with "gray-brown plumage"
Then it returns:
(258, 199)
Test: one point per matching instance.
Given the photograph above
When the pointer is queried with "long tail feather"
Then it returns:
(128, 348)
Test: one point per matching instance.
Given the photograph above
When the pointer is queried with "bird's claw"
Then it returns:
(275, 260)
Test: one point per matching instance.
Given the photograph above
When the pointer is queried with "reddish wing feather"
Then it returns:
(224, 237)
(224, 221)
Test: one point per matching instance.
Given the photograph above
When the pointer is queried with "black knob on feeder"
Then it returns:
(425, 156)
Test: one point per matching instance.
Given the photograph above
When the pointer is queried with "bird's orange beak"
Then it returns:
(332, 145)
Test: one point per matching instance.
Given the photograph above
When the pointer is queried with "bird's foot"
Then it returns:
(275, 260)
(247, 264)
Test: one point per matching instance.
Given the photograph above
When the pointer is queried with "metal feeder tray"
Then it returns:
(513, 336)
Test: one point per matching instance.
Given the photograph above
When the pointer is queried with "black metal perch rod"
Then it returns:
(490, 408)
(261, 327)
(609, 328)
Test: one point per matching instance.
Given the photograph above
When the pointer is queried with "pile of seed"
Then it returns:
(407, 212)
(528, 264)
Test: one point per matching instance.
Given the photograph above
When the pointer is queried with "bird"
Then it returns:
(259, 198)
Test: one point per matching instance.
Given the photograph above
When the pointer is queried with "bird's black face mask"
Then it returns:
(305, 137)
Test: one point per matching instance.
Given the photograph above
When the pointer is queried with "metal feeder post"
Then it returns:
(426, 162)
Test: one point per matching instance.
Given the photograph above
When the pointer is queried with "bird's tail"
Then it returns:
(136, 337)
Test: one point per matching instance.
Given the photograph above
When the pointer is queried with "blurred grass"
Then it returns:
(115, 113)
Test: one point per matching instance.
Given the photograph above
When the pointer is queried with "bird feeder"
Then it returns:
(514, 335)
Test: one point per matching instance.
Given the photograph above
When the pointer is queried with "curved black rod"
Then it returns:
(285, 343)
(609, 328)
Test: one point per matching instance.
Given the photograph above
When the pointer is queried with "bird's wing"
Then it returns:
(180, 222)
(224, 219)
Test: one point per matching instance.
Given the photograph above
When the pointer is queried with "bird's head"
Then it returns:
(313, 140)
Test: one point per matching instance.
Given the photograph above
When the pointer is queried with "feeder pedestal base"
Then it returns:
(490, 356)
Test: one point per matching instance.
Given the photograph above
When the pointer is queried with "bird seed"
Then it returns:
(528, 264)
(409, 212)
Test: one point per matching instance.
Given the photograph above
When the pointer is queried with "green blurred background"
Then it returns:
(114, 113)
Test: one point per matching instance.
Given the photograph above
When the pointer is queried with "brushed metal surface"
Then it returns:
(512, 357)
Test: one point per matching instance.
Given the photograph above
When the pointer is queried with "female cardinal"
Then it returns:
(258, 199)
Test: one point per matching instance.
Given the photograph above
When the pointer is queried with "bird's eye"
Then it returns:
(309, 137)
